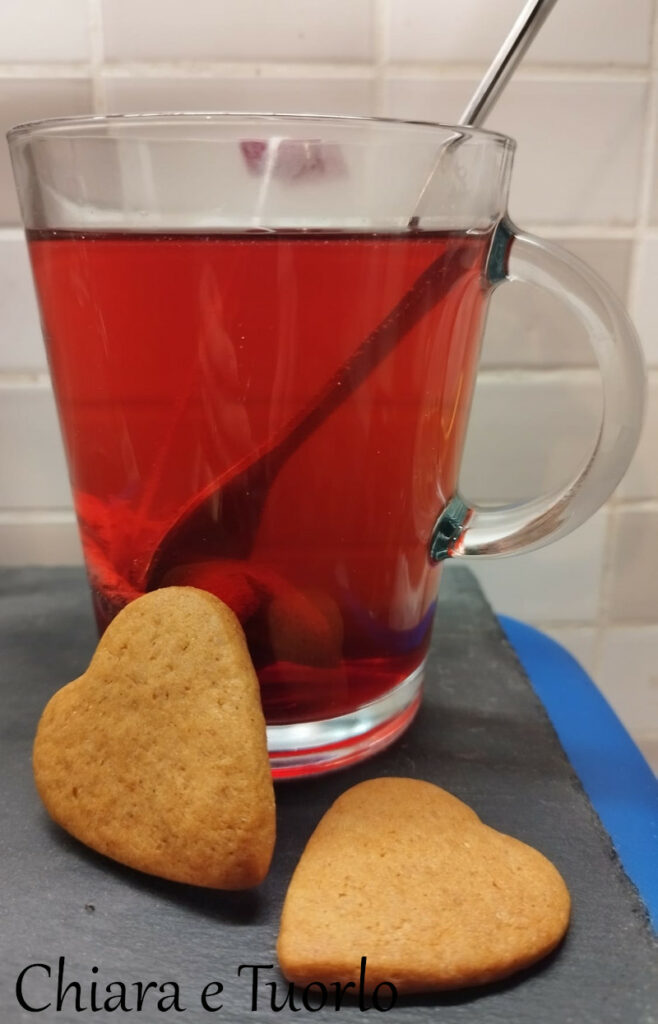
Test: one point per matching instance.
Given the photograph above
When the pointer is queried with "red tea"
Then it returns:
(178, 360)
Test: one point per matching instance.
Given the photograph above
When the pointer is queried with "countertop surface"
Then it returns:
(481, 733)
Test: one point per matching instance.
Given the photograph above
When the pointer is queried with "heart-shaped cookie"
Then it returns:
(401, 872)
(156, 756)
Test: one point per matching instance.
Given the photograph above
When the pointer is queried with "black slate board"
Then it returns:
(482, 734)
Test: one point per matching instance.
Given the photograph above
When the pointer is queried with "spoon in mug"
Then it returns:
(498, 74)
(221, 521)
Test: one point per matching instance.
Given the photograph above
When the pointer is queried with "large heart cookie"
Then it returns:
(156, 756)
(403, 873)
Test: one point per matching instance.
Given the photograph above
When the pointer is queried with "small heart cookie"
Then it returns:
(403, 873)
(156, 756)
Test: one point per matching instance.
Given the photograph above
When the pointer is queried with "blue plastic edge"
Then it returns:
(618, 781)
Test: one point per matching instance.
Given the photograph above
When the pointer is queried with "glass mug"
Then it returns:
(263, 333)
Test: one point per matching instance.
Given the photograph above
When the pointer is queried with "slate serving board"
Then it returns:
(481, 733)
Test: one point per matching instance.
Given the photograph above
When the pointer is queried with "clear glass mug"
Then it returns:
(263, 333)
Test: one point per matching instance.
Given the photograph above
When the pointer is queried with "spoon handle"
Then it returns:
(522, 33)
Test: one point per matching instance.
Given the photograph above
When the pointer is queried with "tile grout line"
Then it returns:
(646, 168)
(12, 234)
(636, 505)
(241, 69)
(37, 516)
(445, 71)
(641, 224)
(61, 69)
(37, 380)
(437, 71)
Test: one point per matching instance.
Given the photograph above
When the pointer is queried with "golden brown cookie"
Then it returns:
(156, 756)
(403, 873)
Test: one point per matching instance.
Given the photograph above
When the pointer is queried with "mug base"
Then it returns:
(314, 748)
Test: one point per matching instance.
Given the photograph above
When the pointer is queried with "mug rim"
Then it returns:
(52, 125)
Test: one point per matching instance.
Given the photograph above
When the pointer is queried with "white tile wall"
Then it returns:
(579, 141)
(50, 539)
(581, 32)
(584, 109)
(532, 328)
(648, 745)
(645, 308)
(32, 467)
(580, 642)
(631, 593)
(653, 202)
(40, 30)
(424, 98)
(296, 95)
(641, 481)
(579, 147)
(628, 677)
(21, 346)
(560, 583)
(27, 99)
(528, 435)
(252, 30)
(628, 674)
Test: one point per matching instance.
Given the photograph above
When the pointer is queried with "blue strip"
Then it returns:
(615, 776)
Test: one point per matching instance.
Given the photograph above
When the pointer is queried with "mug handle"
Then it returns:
(463, 528)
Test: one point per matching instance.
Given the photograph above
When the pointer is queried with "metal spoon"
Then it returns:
(222, 520)
(522, 33)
